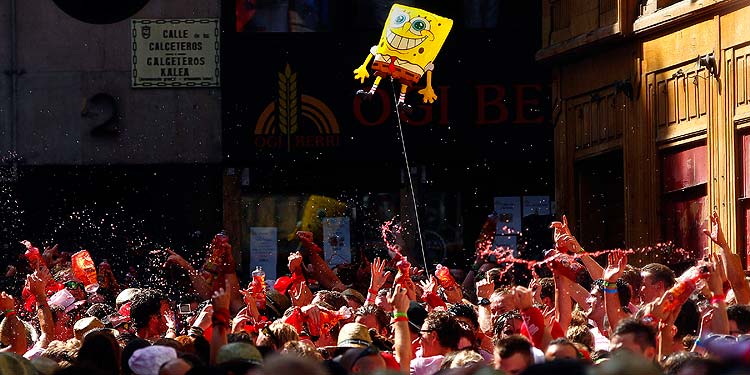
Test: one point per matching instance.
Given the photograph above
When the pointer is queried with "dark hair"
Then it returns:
(146, 304)
(380, 316)
(465, 311)
(507, 346)
(660, 272)
(645, 336)
(547, 285)
(333, 298)
(741, 315)
(565, 341)
(240, 337)
(446, 326)
(623, 293)
(101, 351)
(633, 276)
(679, 361)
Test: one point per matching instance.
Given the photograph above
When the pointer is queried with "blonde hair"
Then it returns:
(301, 349)
(63, 352)
(461, 358)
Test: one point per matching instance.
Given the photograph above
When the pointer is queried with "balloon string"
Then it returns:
(408, 174)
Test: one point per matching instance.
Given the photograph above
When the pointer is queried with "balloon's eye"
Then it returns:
(400, 19)
(419, 25)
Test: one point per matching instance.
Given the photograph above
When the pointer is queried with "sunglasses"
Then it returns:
(73, 285)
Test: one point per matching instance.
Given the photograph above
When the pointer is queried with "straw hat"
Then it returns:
(86, 324)
(354, 335)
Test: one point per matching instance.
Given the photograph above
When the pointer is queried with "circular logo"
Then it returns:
(100, 12)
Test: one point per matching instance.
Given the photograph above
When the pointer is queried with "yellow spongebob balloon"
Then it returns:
(410, 42)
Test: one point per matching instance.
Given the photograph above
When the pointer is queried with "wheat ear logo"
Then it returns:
(294, 119)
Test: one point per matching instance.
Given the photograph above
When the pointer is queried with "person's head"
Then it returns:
(690, 363)
(100, 350)
(739, 319)
(440, 333)
(461, 358)
(634, 336)
(561, 348)
(632, 276)
(149, 360)
(656, 279)
(65, 353)
(147, 312)
(331, 297)
(354, 299)
(467, 336)
(513, 354)
(547, 291)
(595, 301)
(465, 313)
(501, 301)
(373, 317)
(301, 349)
(177, 366)
(128, 351)
(580, 334)
(507, 324)
(365, 360)
(276, 335)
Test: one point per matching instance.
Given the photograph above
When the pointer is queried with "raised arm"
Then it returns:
(401, 338)
(732, 262)
(565, 241)
(12, 331)
(37, 286)
(616, 262)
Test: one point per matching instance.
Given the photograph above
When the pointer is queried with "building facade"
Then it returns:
(650, 108)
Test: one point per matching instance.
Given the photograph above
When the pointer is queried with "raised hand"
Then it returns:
(564, 240)
(485, 288)
(176, 259)
(399, 299)
(616, 262)
(715, 233)
(6, 301)
(220, 299)
(37, 286)
(300, 294)
(295, 262)
(430, 285)
(377, 276)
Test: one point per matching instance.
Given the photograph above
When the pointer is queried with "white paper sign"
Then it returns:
(175, 52)
(536, 205)
(336, 241)
(508, 210)
(264, 250)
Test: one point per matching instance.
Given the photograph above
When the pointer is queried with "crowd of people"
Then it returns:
(583, 317)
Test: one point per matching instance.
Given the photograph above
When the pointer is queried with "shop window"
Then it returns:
(600, 200)
(684, 208)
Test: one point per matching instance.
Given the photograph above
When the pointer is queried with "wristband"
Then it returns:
(608, 284)
(400, 319)
(399, 314)
(373, 292)
(718, 298)
(610, 291)
(8, 313)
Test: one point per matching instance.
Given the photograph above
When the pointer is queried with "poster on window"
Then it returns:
(264, 250)
(508, 210)
(536, 205)
(336, 241)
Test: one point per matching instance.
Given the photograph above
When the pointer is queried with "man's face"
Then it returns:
(650, 289)
(501, 304)
(511, 327)
(627, 342)
(428, 340)
(382, 302)
(596, 304)
(164, 311)
(560, 351)
(513, 365)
